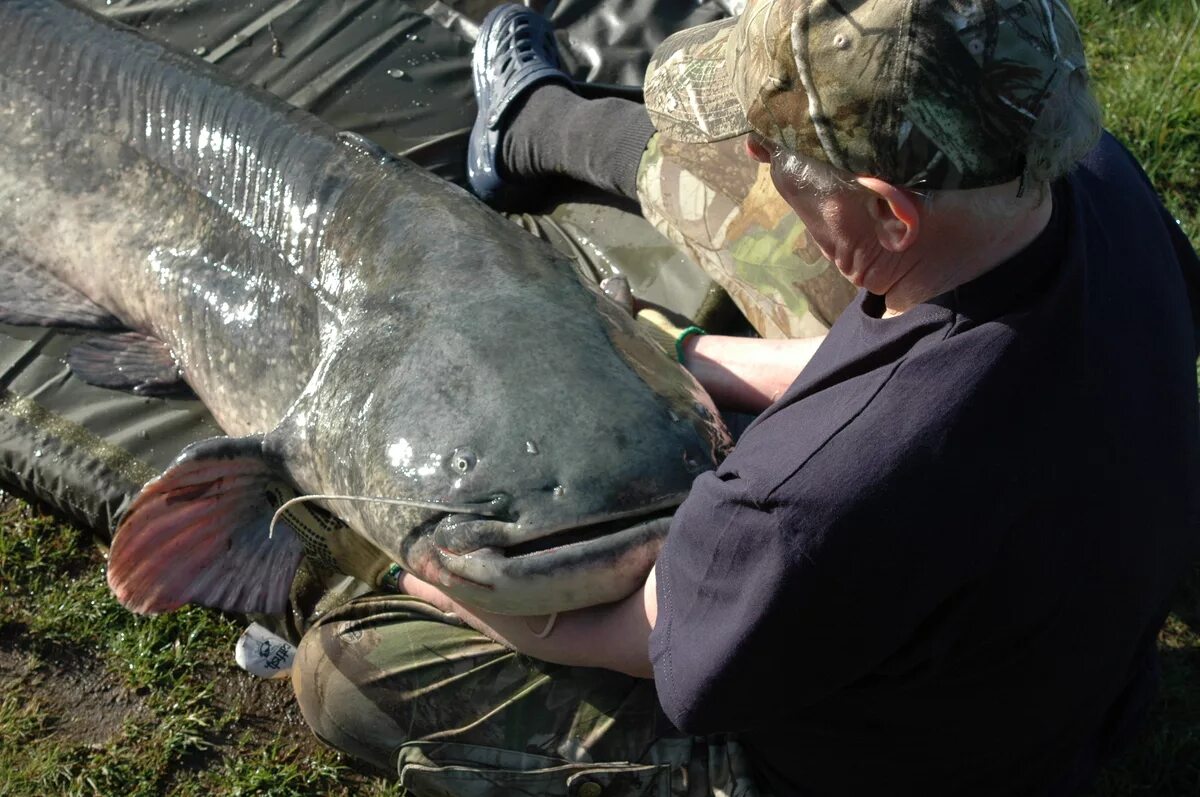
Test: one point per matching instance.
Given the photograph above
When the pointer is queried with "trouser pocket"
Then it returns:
(436, 769)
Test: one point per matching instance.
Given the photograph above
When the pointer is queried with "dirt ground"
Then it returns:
(94, 700)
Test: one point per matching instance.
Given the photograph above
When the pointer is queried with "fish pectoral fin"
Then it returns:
(199, 534)
(32, 296)
(129, 361)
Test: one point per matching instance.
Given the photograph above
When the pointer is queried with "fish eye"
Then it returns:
(461, 461)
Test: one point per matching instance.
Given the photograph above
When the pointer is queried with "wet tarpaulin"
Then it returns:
(396, 72)
(399, 72)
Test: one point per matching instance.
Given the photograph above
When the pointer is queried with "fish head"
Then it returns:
(547, 443)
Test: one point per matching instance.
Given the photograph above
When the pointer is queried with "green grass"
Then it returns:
(1144, 59)
(98, 701)
(95, 701)
(66, 603)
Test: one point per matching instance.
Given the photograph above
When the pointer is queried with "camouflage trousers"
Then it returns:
(391, 680)
(719, 207)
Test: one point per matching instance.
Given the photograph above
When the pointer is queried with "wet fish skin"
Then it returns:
(387, 334)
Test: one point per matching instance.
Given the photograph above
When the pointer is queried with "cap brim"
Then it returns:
(689, 92)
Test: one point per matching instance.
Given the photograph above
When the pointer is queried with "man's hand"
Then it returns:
(615, 636)
(662, 329)
(741, 374)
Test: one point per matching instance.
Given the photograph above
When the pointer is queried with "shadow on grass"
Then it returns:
(1165, 759)
(1187, 601)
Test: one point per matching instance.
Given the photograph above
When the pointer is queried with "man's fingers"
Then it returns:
(411, 585)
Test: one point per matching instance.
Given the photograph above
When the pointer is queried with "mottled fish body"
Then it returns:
(358, 326)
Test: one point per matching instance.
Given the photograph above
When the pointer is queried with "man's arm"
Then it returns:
(747, 374)
(615, 636)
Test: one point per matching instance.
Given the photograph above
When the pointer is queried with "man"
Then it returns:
(938, 560)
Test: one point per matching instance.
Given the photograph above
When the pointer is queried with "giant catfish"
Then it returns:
(358, 326)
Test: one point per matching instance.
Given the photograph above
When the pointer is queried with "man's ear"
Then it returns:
(895, 211)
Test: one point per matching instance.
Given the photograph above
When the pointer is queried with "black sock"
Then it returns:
(557, 133)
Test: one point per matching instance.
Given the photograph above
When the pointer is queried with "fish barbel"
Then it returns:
(356, 325)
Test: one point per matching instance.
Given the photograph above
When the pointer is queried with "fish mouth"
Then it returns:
(583, 534)
(523, 571)
(464, 535)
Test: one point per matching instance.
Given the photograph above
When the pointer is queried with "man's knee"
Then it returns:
(370, 675)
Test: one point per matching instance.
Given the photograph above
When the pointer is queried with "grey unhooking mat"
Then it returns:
(396, 72)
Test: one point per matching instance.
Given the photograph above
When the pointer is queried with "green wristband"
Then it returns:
(391, 579)
(684, 335)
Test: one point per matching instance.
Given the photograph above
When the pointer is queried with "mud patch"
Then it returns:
(262, 707)
(267, 710)
(78, 698)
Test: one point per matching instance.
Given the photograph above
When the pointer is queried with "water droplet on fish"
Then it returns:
(144, 435)
(559, 491)
(702, 411)
(412, 37)
(396, 73)
(531, 447)
(673, 416)
(201, 51)
(445, 578)
(691, 462)
(37, 452)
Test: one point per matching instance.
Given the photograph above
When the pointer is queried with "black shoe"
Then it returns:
(515, 51)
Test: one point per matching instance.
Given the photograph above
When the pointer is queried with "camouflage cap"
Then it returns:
(931, 93)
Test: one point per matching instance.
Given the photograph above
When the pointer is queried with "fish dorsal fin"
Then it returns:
(364, 145)
(32, 296)
(129, 361)
(199, 534)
